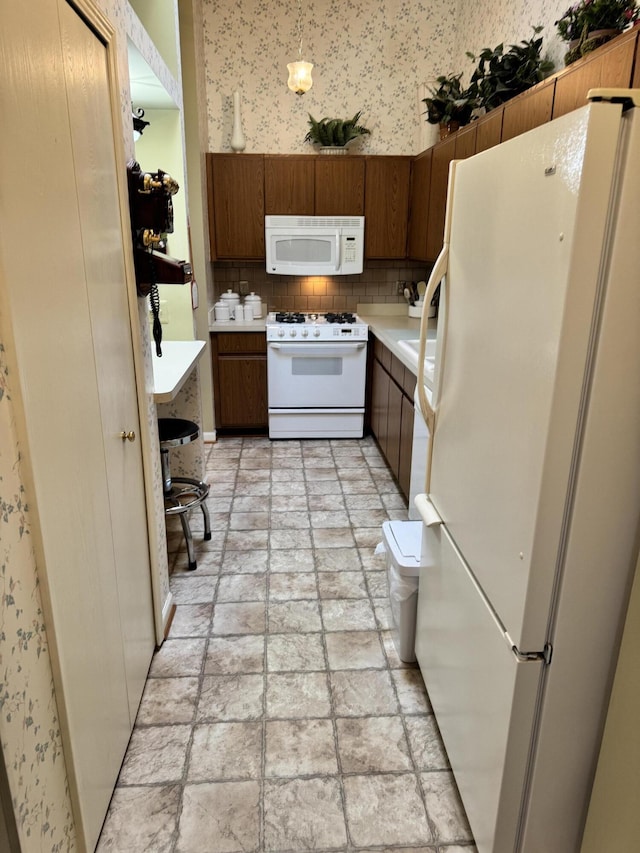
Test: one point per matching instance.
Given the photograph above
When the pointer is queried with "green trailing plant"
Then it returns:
(583, 19)
(449, 102)
(335, 132)
(500, 76)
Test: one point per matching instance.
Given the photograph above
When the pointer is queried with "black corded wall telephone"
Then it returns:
(151, 211)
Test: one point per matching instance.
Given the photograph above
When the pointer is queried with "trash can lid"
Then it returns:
(404, 540)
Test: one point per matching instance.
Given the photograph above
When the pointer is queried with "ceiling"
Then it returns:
(146, 90)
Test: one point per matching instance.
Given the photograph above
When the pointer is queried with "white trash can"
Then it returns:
(403, 545)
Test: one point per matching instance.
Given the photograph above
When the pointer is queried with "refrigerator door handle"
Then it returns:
(437, 274)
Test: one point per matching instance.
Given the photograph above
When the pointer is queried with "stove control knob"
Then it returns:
(305, 333)
(316, 332)
(281, 333)
(292, 332)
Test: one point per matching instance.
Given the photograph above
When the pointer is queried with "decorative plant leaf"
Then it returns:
(335, 131)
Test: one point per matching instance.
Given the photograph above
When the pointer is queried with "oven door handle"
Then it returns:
(312, 350)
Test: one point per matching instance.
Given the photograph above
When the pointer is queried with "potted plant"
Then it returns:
(334, 134)
(450, 105)
(591, 23)
(500, 76)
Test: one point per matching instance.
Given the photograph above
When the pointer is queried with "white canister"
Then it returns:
(248, 313)
(239, 314)
(221, 312)
(230, 298)
(255, 302)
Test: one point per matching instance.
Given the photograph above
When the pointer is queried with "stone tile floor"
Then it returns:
(277, 715)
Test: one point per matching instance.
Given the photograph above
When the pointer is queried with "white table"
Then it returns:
(172, 370)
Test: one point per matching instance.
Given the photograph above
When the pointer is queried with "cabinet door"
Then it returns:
(609, 66)
(419, 206)
(489, 130)
(339, 185)
(242, 398)
(406, 445)
(289, 185)
(528, 110)
(394, 418)
(465, 142)
(236, 206)
(386, 206)
(443, 154)
(380, 404)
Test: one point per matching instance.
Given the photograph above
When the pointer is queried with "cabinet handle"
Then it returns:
(130, 436)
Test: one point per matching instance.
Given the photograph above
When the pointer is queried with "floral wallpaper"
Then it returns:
(29, 728)
(510, 21)
(374, 56)
(367, 56)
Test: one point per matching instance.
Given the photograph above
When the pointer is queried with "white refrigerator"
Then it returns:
(532, 509)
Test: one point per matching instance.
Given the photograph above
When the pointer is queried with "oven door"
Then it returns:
(305, 375)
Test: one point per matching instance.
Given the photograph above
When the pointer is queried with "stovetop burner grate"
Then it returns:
(330, 317)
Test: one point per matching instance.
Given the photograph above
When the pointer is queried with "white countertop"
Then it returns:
(171, 371)
(392, 327)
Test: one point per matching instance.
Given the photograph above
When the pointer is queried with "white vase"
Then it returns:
(238, 142)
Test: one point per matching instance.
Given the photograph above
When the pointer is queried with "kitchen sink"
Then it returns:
(412, 349)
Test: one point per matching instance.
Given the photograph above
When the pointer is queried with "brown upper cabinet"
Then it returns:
(443, 154)
(289, 185)
(236, 205)
(386, 206)
(530, 110)
(419, 206)
(339, 185)
(489, 130)
(609, 66)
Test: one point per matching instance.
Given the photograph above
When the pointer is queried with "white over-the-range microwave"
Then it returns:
(314, 245)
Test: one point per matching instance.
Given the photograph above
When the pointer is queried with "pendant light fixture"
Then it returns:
(299, 71)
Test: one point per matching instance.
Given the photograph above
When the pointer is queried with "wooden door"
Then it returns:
(386, 206)
(56, 236)
(465, 142)
(236, 206)
(242, 401)
(489, 130)
(406, 445)
(339, 185)
(609, 66)
(379, 404)
(289, 185)
(419, 206)
(393, 427)
(529, 110)
(443, 154)
(103, 252)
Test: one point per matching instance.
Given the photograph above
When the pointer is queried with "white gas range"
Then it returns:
(316, 367)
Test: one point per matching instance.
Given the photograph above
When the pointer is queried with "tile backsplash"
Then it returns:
(377, 283)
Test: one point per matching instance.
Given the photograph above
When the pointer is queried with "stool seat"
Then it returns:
(182, 494)
(175, 431)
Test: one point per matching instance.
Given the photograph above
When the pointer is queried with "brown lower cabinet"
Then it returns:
(392, 387)
(239, 361)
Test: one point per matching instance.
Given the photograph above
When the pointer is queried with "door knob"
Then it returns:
(131, 436)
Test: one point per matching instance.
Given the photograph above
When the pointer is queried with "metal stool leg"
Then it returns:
(189, 540)
(207, 523)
